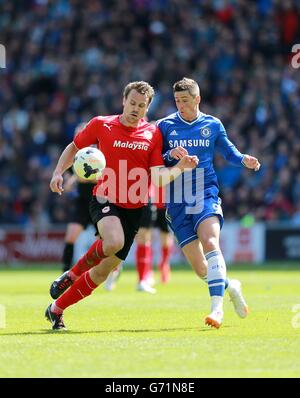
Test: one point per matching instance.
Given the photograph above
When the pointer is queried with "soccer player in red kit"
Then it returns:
(132, 148)
(153, 217)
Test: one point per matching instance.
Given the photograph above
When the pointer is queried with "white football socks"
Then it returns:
(216, 278)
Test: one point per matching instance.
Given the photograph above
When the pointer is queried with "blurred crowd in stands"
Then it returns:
(68, 60)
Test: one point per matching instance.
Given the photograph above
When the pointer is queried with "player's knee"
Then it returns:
(200, 268)
(113, 246)
(210, 244)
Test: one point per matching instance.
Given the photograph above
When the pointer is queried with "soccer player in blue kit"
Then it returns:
(194, 210)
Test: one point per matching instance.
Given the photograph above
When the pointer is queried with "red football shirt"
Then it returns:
(130, 152)
(158, 196)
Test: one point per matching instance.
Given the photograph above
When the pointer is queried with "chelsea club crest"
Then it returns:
(205, 132)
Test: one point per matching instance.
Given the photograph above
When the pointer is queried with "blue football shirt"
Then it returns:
(202, 137)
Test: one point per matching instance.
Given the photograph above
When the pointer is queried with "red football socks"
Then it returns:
(164, 265)
(143, 261)
(81, 288)
(93, 257)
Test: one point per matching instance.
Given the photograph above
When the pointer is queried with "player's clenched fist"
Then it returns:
(251, 162)
(188, 162)
(178, 153)
(56, 183)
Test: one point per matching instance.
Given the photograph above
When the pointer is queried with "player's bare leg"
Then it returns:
(112, 241)
(195, 256)
(232, 286)
(193, 252)
(100, 272)
(82, 288)
(111, 280)
(209, 235)
(166, 243)
(110, 228)
(144, 261)
(72, 233)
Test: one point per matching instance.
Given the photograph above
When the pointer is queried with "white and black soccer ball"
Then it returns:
(89, 163)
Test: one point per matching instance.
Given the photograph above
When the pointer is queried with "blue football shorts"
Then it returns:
(184, 226)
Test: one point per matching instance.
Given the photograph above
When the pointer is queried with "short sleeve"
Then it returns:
(88, 136)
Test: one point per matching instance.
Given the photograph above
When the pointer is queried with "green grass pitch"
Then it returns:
(126, 333)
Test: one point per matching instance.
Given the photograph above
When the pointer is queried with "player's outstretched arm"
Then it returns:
(251, 162)
(162, 176)
(64, 162)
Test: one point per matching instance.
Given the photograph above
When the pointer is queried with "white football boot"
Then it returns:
(235, 293)
(143, 286)
(214, 319)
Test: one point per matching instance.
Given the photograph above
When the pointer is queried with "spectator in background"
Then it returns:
(62, 54)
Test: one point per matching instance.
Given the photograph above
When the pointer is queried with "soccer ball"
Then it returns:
(89, 163)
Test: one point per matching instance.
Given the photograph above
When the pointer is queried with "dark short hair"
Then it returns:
(142, 88)
(187, 84)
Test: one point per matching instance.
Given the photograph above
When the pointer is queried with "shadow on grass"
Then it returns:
(266, 266)
(59, 332)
